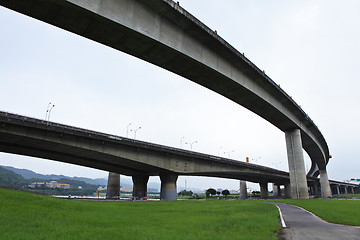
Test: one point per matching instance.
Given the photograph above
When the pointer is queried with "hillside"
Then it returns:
(28, 174)
(126, 182)
(9, 178)
(13, 180)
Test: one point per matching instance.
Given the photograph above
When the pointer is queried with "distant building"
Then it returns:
(100, 188)
(51, 184)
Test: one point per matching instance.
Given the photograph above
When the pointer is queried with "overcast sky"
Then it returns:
(311, 48)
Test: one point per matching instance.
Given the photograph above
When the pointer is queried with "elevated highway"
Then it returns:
(38, 138)
(163, 33)
(48, 140)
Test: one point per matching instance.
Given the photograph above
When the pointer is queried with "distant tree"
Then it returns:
(185, 193)
(217, 193)
(255, 193)
(225, 192)
(210, 191)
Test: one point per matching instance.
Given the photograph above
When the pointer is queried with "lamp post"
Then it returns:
(229, 153)
(191, 144)
(48, 112)
(181, 142)
(256, 159)
(136, 131)
(49, 107)
(127, 130)
(219, 150)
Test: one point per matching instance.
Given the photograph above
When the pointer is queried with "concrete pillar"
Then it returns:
(311, 185)
(345, 188)
(264, 192)
(287, 190)
(316, 188)
(168, 186)
(243, 190)
(298, 182)
(140, 186)
(352, 190)
(276, 190)
(324, 184)
(113, 186)
(333, 188)
(342, 189)
(337, 189)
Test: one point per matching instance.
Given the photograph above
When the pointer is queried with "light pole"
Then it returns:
(181, 141)
(127, 130)
(229, 153)
(48, 112)
(191, 144)
(136, 131)
(48, 109)
(219, 150)
(256, 159)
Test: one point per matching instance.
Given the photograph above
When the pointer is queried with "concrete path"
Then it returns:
(301, 224)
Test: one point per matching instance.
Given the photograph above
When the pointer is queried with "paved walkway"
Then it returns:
(302, 225)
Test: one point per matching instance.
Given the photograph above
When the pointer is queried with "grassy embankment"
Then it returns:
(334, 211)
(30, 216)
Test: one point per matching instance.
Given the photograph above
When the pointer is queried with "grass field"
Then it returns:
(335, 211)
(29, 216)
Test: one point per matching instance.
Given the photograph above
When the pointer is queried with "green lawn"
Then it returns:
(335, 211)
(29, 216)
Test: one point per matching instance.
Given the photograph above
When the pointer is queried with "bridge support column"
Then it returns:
(243, 190)
(276, 190)
(316, 188)
(264, 192)
(113, 186)
(287, 190)
(168, 186)
(337, 190)
(140, 186)
(298, 182)
(342, 189)
(324, 184)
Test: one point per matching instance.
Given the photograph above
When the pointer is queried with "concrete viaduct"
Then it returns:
(164, 34)
(38, 138)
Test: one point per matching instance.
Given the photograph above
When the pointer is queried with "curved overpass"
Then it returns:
(163, 33)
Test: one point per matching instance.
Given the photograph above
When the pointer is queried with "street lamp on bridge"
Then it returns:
(136, 131)
(228, 153)
(127, 130)
(191, 144)
(48, 112)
